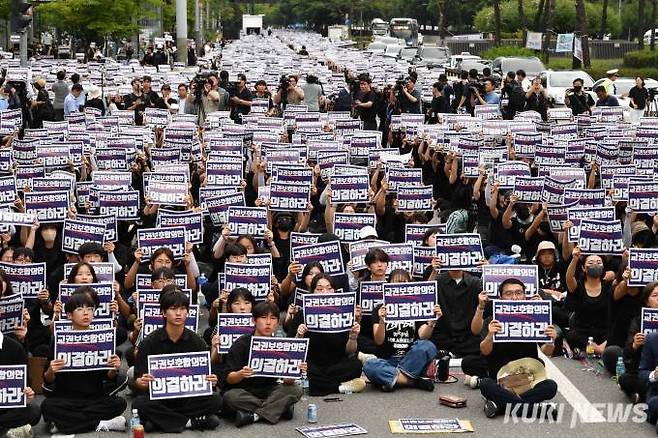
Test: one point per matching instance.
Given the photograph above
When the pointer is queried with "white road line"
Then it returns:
(586, 411)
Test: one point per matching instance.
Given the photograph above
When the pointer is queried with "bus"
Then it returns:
(379, 27)
(406, 29)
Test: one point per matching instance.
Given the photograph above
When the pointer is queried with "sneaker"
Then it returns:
(289, 413)
(365, 357)
(117, 424)
(490, 409)
(21, 432)
(243, 418)
(352, 386)
(207, 422)
(472, 381)
(424, 384)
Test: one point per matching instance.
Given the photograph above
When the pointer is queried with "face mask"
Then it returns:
(49, 235)
(285, 224)
(523, 213)
(577, 88)
(594, 271)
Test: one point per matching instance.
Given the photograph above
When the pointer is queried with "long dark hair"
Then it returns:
(74, 271)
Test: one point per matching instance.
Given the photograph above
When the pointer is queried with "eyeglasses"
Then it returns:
(515, 294)
(85, 309)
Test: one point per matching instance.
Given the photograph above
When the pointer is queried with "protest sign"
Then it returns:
(648, 320)
(347, 226)
(26, 279)
(122, 205)
(423, 256)
(247, 220)
(528, 190)
(289, 197)
(359, 249)
(179, 375)
(12, 388)
(256, 278)
(578, 213)
(104, 292)
(10, 217)
(643, 197)
(230, 326)
(191, 220)
(371, 294)
(332, 430)
(7, 190)
(48, 207)
(151, 239)
(494, 275)
(412, 199)
(11, 313)
(349, 189)
(85, 350)
(400, 256)
(329, 313)
(217, 206)
(643, 263)
(76, 233)
(279, 358)
(104, 271)
(152, 318)
(328, 254)
(413, 233)
(522, 320)
(224, 172)
(459, 251)
(167, 193)
(598, 237)
(434, 425)
(410, 301)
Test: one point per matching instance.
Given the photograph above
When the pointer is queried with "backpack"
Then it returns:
(516, 98)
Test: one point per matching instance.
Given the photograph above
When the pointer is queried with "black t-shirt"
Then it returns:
(591, 313)
(408, 106)
(79, 384)
(580, 103)
(368, 114)
(12, 352)
(458, 302)
(398, 338)
(323, 348)
(505, 352)
(639, 96)
(237, 358)
(245, 94)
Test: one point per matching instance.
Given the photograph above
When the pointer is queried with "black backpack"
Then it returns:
(516, 98)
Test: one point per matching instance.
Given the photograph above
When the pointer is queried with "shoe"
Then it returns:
(490, 409)
(289, 413)
(474, 382)
(149, 427)
(352, 386)
(365, 357)
(117, 424)
(21, 432)
(207, 422)
(243, 418)
(424, 384)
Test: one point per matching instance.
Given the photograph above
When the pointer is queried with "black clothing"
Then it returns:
(639, 96)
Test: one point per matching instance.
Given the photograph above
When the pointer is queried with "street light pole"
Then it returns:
(181, 30)
(197, 25)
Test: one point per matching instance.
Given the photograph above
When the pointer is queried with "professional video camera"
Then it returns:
(198, 83)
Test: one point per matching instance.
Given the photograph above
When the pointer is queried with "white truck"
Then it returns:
(338, 32)
(252, 24)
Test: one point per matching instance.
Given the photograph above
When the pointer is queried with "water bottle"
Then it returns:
(201, 280)
(304, 384)
(620, 368)
(134, 420)
(590, 347)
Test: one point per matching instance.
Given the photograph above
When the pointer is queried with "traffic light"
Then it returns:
(21, 16)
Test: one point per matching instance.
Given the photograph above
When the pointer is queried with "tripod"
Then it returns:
(651, 109)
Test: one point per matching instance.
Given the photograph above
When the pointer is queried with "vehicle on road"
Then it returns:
(405, 28)
(477, 64)
(557, 83)
(456, 59)
(531, 65)
(432, 56)
(379, 27)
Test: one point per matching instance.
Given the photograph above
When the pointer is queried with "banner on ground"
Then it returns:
(331, 430)
(433, 425)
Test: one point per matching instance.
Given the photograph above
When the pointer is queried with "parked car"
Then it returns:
(477, 64)
(557, 83)
(531, 65)
(456, 59)
(432, 56)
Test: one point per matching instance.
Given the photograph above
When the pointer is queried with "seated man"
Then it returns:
(175, 414)
(17, 421)
(498, 355)
(255, 398)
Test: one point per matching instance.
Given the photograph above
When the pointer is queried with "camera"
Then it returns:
(653, 92)
(477, 86)
(400, 83)
(198, 83)
(284, 82)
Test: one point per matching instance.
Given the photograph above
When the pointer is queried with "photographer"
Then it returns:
(513, 91)
(151, 98)
(639, 97)
(409, 97)
(490, 97)
(206, 100)
(536, 99)
(579, 101)
(436, 106)
(467, 99)
(135, 101)
(241, 99)
(288, 92)
(364, 104)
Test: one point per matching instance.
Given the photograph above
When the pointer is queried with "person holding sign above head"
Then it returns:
(18, 421)
(404, 350)
(175, 414)
(590, 297)
(630, 382)
(332, 363)
(78, 402)
(500, 355)
(254, 398)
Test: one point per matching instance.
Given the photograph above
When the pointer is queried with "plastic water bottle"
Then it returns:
(304, 384)
(590, 347)
(620, 368)
(134, 420)
(201, 280)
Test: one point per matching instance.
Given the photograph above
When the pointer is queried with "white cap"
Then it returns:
(368, 231)
(614, 71)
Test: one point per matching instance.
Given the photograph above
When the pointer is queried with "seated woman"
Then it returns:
(332, 363)
(403, 348)
(254, 398)
(78, 403)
